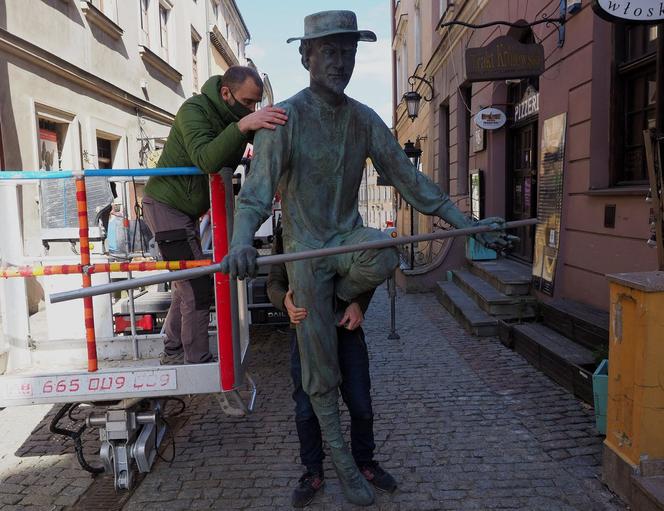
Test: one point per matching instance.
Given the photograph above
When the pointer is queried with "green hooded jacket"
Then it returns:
(205, 134)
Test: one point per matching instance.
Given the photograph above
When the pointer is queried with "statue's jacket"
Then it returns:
(316, 161)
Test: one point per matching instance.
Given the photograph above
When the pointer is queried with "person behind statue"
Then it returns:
(210, 131)
(316, 162)
(355, 390)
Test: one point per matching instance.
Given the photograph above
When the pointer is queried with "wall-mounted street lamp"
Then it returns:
(413, 97)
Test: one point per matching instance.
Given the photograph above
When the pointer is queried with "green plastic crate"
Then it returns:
(601, 395)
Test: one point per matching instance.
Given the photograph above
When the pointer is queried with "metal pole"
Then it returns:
(412, 245)
(83, 234)
(282, 258)
(227, 177)
(222, 284)
(132, 308)
(392, 292)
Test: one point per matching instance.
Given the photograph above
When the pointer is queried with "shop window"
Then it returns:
(636, 95)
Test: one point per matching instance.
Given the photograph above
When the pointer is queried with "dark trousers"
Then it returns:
(355, 391)
(188, 317)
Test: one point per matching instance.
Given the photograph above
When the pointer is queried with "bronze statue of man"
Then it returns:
(316, 161)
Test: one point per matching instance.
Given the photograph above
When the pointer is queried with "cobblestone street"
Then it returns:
(461, 422)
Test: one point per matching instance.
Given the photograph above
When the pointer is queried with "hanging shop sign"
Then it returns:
(630, 11)
(528, 106)
(490, 118)
(549, 203)
(504, 58)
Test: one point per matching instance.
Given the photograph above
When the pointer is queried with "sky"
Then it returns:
(271, 23)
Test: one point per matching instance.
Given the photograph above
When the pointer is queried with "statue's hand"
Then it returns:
(497, 240)
(240, 262)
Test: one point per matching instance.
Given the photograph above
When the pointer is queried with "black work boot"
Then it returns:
(306, 488)
(355, 487)
(381, 479)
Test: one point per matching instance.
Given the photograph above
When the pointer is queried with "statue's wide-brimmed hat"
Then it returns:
(326, 23)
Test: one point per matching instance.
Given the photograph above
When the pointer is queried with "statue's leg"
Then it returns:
(363, 271)
(312, 282)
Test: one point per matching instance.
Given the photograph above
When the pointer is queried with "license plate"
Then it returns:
(92, 384)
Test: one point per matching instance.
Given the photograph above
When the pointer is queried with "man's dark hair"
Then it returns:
(235, 76)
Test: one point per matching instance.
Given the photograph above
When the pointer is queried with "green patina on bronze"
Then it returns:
(316, 163)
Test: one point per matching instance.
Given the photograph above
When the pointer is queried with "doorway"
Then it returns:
(522, 188)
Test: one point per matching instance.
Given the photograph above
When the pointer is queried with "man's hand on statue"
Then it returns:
(352, 317)
(269, 117)
(295, 313)
(496, 240)
(240, 262)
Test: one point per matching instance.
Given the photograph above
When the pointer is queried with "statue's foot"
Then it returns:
(356, 488)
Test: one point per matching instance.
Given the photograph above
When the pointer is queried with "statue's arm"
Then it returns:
(254, 205)
(414, 186)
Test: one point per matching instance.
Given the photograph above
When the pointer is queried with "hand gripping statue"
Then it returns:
(316, 161)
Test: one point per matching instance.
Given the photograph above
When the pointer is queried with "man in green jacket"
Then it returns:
(211, 131)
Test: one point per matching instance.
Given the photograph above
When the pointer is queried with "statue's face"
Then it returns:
(331, 61)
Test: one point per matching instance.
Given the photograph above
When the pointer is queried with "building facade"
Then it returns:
(592, 101)
(375, 201)
(88, 85)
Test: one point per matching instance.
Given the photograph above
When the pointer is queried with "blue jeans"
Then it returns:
(355, 391)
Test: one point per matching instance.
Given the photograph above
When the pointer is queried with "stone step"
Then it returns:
(507, 276)
(491, 300)
(582, 323)
(465, 310)
(567, 363)
(647, 493)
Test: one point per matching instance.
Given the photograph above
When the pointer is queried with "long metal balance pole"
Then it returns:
(277, 259)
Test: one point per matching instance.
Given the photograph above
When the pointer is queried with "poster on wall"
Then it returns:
(549, 203)
(48, 150)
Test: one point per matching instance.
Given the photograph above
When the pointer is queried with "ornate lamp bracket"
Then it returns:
(544, 19)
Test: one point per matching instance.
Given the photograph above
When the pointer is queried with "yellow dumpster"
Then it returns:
(635, 416)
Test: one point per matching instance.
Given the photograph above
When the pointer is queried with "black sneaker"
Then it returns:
(306, 488)
(381, 480)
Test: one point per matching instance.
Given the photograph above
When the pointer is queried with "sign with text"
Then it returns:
(504, 58)
(528, 106)
(490, 119)
(549, 203)
(630, 11)
(88, 385)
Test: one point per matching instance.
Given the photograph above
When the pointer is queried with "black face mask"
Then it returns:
(238, 108)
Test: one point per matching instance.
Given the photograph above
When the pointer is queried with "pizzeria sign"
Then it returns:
(630, 11)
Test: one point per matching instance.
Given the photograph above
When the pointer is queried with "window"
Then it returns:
(164, 14)
(108, 7)
(145, 24)
(635, 112)
(443, 5)
(195, 41)
(51, 141)
(444, 148)
(418, 36)
(215, 11)
(104, 153)
(404, 63)
(464, 99)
